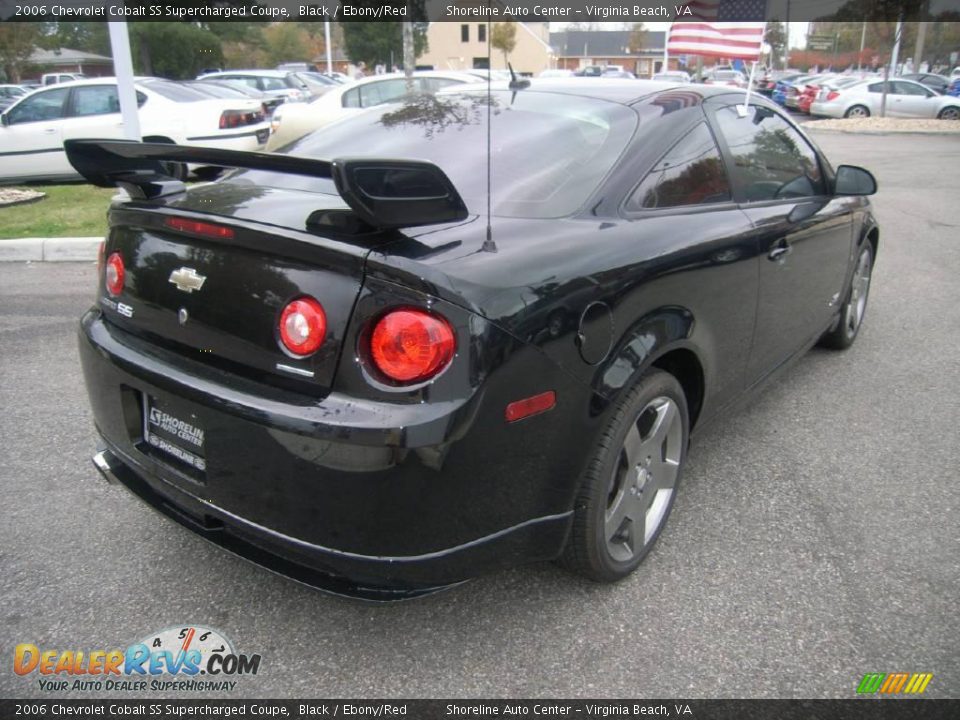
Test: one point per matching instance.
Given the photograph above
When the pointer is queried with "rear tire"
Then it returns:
(855, 307)
(857, 111)
(630, 482)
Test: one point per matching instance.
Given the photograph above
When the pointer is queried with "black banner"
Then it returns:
(477, 10)
(854, 709)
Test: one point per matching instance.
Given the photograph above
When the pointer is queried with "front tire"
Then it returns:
(851, 317)
(857, 111)
(630, 482)
(949, 113)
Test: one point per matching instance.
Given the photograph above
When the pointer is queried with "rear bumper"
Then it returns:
(826, 110)
(243, 139)
(376, 579)
(337, 493)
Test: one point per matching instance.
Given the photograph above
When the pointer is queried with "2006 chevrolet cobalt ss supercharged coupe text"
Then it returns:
(350, 363)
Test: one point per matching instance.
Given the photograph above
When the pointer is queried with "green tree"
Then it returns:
(380, 42)
(638, 37)
(286, 42)
(17, 43)
(504, 38)
(173, 50)
(87, 36)
(776, 38)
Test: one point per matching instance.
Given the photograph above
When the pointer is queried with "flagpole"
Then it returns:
(742, 112)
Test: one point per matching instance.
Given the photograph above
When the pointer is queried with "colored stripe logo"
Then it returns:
(894, 683)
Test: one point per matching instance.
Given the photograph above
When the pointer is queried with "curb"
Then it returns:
(934, 133)
(67, 249)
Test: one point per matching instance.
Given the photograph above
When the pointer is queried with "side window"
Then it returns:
(273, 83)
(382, 92)
(431, 85)
(95, 100)
(771, 160)
(905, 88)
(691, 173)
(464, 33)
(351, 98)
(482, 32)
(876, 87)
(47, 105)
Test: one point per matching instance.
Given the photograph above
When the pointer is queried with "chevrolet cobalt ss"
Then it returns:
(383, 360)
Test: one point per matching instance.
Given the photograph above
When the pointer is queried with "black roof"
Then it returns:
(603, 43)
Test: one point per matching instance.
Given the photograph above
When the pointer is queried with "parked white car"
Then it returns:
(905, 98)
(35, 127)
(276, 83)
(294, 120)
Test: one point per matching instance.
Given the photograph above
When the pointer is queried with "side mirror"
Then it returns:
(853, 180)
(4, 120)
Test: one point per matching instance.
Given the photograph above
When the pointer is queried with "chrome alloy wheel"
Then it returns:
(858, 111)
(859, 288)
(644, 479)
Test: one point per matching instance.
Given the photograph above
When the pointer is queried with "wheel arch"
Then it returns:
(660, 339)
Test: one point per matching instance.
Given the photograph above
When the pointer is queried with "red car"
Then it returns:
(807, 97)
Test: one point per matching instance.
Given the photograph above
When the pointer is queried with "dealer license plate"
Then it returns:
(174, 433)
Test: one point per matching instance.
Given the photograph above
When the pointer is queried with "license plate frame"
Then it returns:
(174, 434)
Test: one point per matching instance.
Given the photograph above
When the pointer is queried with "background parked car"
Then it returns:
(787, 90)
(673, 76)
(230, 89)
(9, 94)
(292, 121)
(819, 89)
(733, 78)
(905, 98)
(277, 83)
(940, 83)
(556, 73)
(35, 127)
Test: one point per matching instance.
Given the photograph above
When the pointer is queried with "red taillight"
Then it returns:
(113, 276)
(303, 326)
(239, 118)
(832, 95)
(411, 345)
(520, 409)
(199, 228)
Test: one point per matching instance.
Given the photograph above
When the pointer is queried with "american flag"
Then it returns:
(714, 29)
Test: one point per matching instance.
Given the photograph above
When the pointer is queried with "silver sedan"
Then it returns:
(905, 98)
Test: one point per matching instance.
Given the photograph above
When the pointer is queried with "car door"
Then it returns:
(915, 100)
(31, 145)
(804, 234)
(94, 112)
(898, 104)
(710, 266)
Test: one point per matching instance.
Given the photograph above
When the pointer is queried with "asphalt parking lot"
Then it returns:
(815, 537)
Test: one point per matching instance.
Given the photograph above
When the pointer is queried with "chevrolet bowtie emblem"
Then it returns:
(187, 279)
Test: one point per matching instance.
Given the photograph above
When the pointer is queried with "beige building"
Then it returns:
(463, 46)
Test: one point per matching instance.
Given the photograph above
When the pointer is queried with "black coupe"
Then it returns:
(463, 331)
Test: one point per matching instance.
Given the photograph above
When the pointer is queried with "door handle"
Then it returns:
(50, 131)
(780, 250)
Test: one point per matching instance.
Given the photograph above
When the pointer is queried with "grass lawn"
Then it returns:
(67, 211)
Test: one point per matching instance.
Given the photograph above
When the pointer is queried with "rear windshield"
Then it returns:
(177, 92)
(548, 152)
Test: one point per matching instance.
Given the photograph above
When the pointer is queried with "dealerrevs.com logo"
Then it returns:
(187, 658)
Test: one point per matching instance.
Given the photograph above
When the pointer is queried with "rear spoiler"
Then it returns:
(382, 193)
